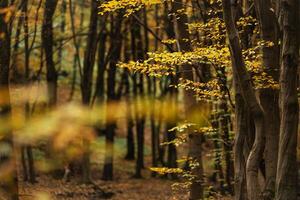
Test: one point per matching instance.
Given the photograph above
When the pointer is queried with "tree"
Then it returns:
(87, 80)
(287, 173)
(162, 65)
(195, 149)
(27, 149)
(47, 43)
(8, 180)
(243, 80)
(116, 48)
(138, 90)
(269, 97)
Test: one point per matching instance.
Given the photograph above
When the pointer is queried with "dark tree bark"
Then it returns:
(77, 44)
(24, 164)
(47, 43)
(28, 148)
(14, 66)
(116, 46)
(224, 122)
(137, 48)
(269, 97)
(172, 151)
(9, 181)
(62, 30)
(244, 136)
(130, 154)
(90, 55)
(190, 104)
(87, 81)
(171, 135)
(286, 182)
(248, 93)
(218, 174)
(244, 125)
(100, 84)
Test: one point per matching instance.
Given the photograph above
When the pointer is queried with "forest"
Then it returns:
(149, 99)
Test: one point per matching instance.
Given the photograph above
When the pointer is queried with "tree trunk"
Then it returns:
(171, 135)
(138, 91)
(9, 180)
(28, 148)
(77, 44)
(244, 131)
(100, 84)
(248, 93)
(243, 144)
(224, 122)
(195, 139)
(87, 81)
(269, 97)
(116, 45)
(47, 43)
(286, 182)
(14, 66)
(89, 55)
(130, 155)
(62, 30)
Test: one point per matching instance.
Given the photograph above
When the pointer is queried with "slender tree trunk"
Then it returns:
(154, 134)
(24, 164)
(241, 146)
(16, 73)
(138, 50)
(14, 66)
(9, 181)
(47, 43)
(217, 152)
(286, 182)
(77, 44)
(87, 81)
(171, 135)
(32, 174)
(195, 140)
(130, 155)
(224, 122)
(142, 46)
(28, 148)
(100, 84)
(116, 45)
(90, 55)
(244, 132)
(62, 30)
(140, 126)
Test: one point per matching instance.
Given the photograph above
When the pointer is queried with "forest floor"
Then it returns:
(123, 187)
